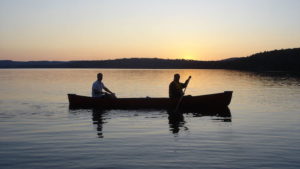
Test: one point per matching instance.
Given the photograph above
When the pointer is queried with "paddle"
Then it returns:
(177, 106)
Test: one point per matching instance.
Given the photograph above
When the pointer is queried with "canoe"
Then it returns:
(217, 101)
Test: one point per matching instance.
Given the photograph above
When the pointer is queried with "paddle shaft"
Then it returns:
(177, 106)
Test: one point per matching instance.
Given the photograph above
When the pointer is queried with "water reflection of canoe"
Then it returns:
(176, 120)
(216, 101)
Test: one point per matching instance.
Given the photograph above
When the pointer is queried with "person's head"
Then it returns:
(99, 76)
(176, 77)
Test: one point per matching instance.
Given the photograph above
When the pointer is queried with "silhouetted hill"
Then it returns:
(139, 63)
(31, 64)
(277, 60)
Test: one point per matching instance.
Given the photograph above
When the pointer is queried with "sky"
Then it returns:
(173, 29)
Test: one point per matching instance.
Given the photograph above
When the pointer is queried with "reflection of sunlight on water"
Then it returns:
(130, 83)
(43, 85)
(36, 124)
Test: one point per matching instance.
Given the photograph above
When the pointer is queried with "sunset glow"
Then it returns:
(177, 29)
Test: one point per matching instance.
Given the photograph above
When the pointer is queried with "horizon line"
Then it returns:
(148, 58)
(115, 59)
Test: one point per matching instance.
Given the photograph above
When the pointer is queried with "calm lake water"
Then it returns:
(39, 131)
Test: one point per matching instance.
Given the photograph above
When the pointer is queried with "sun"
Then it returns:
(188, 57)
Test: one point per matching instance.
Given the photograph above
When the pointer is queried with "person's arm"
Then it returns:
(186, 82)
(106, 89)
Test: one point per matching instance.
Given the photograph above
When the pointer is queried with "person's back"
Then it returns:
(97, 89)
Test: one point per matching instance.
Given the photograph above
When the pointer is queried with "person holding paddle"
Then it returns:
(175, 87)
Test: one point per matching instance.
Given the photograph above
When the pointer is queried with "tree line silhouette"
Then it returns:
(276, 60)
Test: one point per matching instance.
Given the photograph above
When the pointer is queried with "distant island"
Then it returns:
(276, 60)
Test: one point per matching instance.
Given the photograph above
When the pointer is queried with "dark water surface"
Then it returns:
(39, 131)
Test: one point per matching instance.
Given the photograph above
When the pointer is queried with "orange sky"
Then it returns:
(96, 30)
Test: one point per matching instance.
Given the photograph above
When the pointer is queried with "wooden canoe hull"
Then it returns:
(218, 100)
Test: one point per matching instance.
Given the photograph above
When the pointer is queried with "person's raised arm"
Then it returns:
(186, 82)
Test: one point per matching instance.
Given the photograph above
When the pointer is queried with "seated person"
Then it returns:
(98, 86)
(175, 87)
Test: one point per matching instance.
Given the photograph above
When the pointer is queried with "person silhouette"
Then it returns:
(98, 87)
(175, 87)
